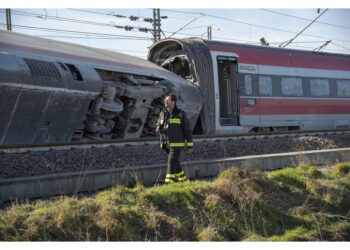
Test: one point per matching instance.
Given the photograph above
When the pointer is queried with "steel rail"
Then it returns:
(74, 183)
(25, 148)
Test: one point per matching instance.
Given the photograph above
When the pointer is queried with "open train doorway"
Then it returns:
(228, 90)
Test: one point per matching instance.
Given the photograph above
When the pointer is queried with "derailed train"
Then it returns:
(53, 91)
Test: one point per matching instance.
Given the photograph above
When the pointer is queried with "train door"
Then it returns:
(228, 91)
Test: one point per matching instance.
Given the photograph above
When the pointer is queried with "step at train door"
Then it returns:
(228, 90)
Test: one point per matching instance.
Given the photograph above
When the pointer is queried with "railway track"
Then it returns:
(18, 149)
(30, 171)
(93, 180)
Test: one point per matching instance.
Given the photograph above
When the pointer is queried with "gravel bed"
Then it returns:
(43, 163)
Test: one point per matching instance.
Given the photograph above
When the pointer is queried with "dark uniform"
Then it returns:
(174, 129)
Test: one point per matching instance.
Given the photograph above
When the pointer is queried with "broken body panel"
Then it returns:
(53, 91)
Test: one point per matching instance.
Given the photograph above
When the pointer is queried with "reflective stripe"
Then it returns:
(189, 144)
(181, 173)
(182, 178)
(170, 178)
(177, 144)
(175, 120)
(169, 181)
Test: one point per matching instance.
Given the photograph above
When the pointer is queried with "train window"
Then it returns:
(265, 85)
(248, 84)
(319, 87)
(291, 86)
(343, 87)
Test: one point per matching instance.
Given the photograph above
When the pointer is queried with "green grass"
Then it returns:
(342, 168)
(291, 204)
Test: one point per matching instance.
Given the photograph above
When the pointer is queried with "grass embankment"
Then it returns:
(286, 205)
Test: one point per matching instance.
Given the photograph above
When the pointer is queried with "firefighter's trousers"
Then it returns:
(174, 171)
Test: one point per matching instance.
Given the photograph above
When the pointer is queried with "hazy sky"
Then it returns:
(93, 26)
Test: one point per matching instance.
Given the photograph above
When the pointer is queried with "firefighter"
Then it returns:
(174, 129)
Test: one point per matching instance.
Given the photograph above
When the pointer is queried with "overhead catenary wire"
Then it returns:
(255, 25)
(285, 44)
(112, 14)
(188, 23)
(306, 19)
(45, 17)
(79, 32)
(340, 46)
(110, 24)
(132, 18)
(103, 24)
(121, 37)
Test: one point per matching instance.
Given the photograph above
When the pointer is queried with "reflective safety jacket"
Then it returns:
(175, 129)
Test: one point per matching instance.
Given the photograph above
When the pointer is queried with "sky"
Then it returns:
(92, 25)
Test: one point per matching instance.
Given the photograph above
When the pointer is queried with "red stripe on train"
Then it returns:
(283, 106)
(263, 56)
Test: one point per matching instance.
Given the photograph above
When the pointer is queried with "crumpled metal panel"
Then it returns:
(43, 102)
(33, 116)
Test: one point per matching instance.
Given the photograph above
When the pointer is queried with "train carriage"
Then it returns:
(52, 91)
(249, 88)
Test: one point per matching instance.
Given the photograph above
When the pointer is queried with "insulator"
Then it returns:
(128, 28)
(143, 30)
(133, 18)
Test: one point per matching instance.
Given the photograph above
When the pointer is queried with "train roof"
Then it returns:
(287, 50)
(26, 44)
(257, 55)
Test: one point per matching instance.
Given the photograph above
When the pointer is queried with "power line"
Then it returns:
(78, 32)
(340, 46)
(108, 36)
(120, 37)
(194, 19)
(276, 12)
(222, 38)
(132, 18)
(29, 14)
(291, 40)
(111, 24)
(256, 25)
(146, 29)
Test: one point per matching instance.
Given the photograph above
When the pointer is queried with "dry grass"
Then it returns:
(286, 205)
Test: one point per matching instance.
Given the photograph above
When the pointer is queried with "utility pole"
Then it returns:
(156, 25)
(209, 33)
(8, 19)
